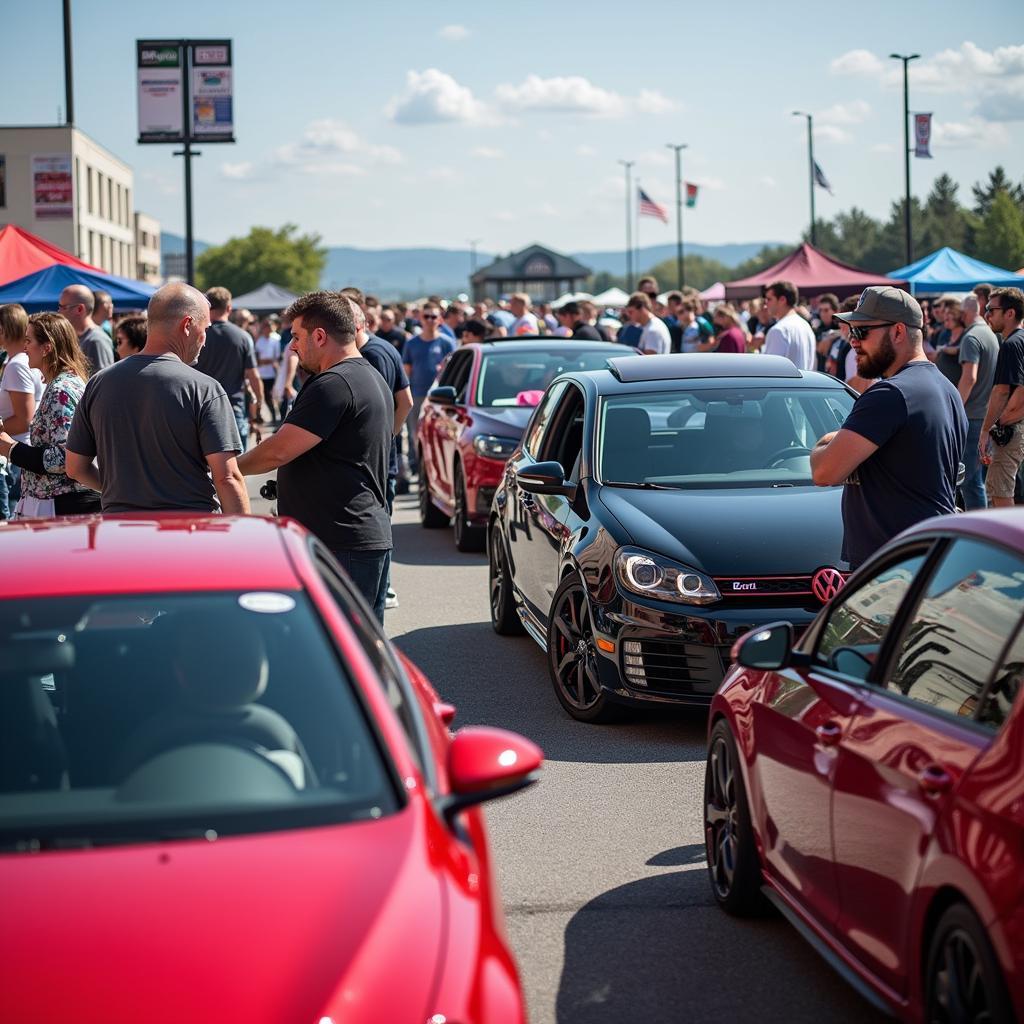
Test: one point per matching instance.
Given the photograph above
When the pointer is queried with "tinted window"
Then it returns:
(541, 418)
(968, 611)
(858, 624)
(1002, 692)
(564, 441)
(129, 718)
(743, 437)
(519, 378)
(456, 374)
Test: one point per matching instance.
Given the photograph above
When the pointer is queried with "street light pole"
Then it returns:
(680, 259)
(628, 164)
(906, 58)
(69, 85)
(810, 168)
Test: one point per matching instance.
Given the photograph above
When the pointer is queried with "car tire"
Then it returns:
(963, 981)
(431, 517)
(734, 868)
(505, 620)
(572, 656)
(467, 536)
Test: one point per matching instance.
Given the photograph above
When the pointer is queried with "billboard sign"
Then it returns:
(212, 114)
(53, 196)
(161, 79)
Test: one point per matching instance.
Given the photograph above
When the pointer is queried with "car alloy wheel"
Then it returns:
(467, 536)
(431, 517)
(572, 656)
(964, 984)
(504, 619)
(728, 835)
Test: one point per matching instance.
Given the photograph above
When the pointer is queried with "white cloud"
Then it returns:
(650, 101)
(329, 138)
(489, 152)
(569, 94)
(854, 112)
(966, 68)
(241, 171)
(1003, 104)
(831, 133)
(973, 135)
(857, 62)
(454, 33)
(432, 97)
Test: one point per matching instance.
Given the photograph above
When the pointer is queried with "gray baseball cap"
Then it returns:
(883, 302)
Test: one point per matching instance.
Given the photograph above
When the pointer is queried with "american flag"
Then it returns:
(649, 208)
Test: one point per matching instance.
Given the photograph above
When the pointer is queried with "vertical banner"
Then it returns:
(52, 186)
(161, 81)
(922, 134)
(212, 114)
(691, 194)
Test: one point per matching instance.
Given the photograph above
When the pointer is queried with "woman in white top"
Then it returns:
(21, 388)
(268, 357)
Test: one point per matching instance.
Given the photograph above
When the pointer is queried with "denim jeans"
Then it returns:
(368, 571)
(242, 421)
(973, 489)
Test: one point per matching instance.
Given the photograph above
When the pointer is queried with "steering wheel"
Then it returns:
(786, 453)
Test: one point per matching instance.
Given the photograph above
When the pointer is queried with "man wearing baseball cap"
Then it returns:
(899, 450)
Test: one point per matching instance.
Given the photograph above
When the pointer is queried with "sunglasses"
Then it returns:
(429, 316)
(993, 309)
(860, 333)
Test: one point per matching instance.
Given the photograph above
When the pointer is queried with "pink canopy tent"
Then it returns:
(716, 293)
(813, 272)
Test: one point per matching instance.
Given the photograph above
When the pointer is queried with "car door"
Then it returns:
(453, 421)
(913, 738)
(798, 722)
(524, 532)
(440, 427)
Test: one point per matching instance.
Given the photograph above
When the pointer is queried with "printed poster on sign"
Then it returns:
(922, 134)
(212, 115)
(160, 83)
(52, 188)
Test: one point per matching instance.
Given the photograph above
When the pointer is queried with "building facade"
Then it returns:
(540, 272)
(147, 248)
(58, 183)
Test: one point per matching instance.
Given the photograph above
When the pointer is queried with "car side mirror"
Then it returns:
(442, 396)
(767, 648)
(486, 763)
(544, 478)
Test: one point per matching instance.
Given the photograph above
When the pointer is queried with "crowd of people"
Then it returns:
(159, 412)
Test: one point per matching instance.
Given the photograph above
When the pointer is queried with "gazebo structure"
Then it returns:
(947, 270)
(813, 272)
(540, 272)
(268, 298)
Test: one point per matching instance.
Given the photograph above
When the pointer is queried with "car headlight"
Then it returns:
(650, 575)
(495, 447)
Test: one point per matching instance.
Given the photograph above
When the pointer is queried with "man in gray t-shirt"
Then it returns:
(979, 350)
(97, 349)
(77, 303)
(163, 433)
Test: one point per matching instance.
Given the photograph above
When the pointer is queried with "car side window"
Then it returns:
(538, 424)
(859, 622)
(968, 610)
(456, 373)
(564, 441)
(998, 700)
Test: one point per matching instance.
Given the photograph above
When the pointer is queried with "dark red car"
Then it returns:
(869, 782)
(224, 797)
(474, 419)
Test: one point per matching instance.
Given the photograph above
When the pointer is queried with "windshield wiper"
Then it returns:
(37, 843)
(645, 486)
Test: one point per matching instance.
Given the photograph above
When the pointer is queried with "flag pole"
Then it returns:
(810, 158)
(628, 164)
(906, 58)
(680, 258)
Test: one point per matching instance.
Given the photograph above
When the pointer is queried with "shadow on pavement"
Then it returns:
(415, 545)
(503, 681)
(660, 950)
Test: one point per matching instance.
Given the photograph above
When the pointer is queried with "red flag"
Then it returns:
(691, 194)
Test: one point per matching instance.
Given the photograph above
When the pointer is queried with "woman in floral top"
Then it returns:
(46, 490)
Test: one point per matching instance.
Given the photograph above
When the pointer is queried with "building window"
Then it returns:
(88, 174)
(111, 215)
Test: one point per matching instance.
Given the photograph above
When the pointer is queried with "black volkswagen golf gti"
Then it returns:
(657, 510)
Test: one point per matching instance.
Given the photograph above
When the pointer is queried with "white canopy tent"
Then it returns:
(611, 297)
(571, 297)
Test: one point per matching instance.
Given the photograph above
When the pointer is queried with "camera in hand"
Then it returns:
(1001, 434)
(269, 490)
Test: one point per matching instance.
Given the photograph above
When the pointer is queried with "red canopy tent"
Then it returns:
(813, 272)
(22, 253)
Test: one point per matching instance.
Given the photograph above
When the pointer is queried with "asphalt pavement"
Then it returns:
(601, 864)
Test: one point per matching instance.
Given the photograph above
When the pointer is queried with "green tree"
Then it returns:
(1001, 234)
(701, 272)
(890, 250)
(860, 233)
(998, 181)
(946, 222)
(280, 257)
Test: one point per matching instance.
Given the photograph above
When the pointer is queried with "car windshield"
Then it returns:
(166, 716)
(735, 437)
(521, 378)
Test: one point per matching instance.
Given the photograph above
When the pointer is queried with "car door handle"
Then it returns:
(829, 733)
(935, 780)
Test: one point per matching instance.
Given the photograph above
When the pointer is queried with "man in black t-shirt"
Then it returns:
(899, 449)
(230, 359)
(1004, 312)
(332, 451)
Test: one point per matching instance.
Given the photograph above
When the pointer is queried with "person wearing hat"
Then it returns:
(899, 450)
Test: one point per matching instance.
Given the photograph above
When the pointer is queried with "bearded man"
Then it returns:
(898, 452)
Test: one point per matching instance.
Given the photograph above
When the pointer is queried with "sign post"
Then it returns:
(185, 96)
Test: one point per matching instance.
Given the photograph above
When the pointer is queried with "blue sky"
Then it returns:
(408, 124)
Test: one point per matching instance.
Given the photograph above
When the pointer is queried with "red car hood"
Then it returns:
(287, 926)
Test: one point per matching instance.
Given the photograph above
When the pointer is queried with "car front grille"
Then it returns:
(769, 589)
(672, 666)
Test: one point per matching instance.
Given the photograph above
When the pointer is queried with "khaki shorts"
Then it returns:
(1006, 460)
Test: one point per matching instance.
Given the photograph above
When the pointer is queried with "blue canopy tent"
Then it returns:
(947, 270)
(41, 290)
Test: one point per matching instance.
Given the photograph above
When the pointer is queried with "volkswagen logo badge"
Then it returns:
(826, 583)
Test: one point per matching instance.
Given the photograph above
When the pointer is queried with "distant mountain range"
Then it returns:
(407, 272)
